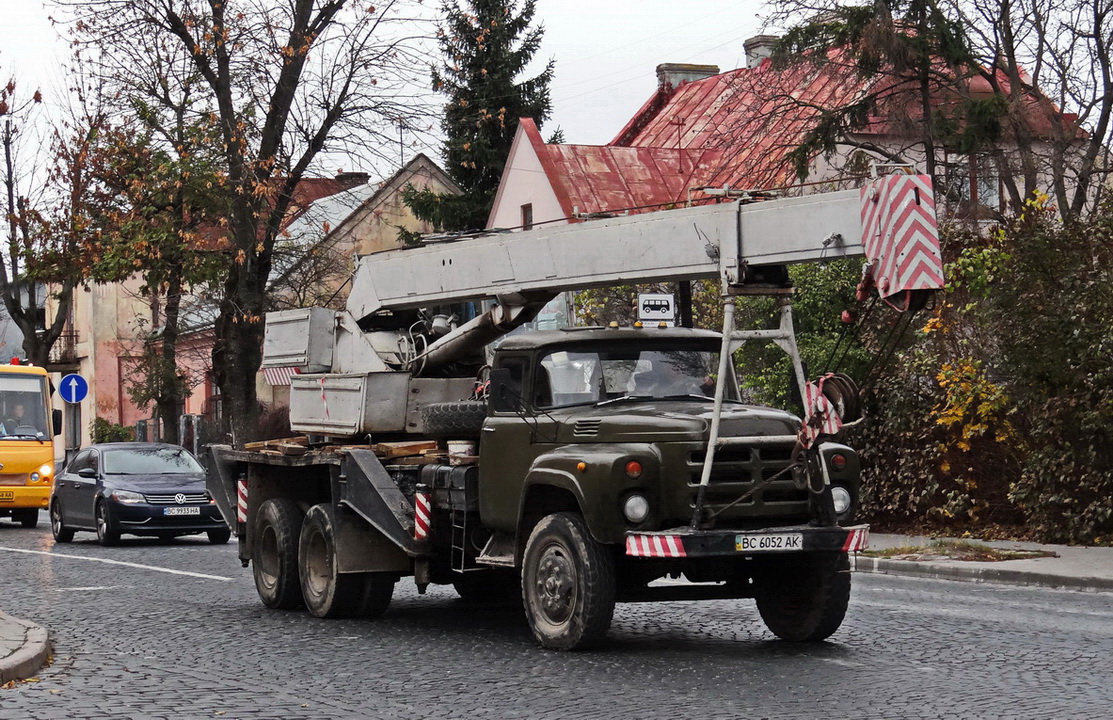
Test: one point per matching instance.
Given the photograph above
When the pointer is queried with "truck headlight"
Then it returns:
(635, 508)
(842, 499)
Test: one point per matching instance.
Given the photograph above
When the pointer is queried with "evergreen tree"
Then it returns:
(486, 44)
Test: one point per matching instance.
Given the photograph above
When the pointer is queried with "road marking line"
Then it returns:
(119, 562)
(85, 589)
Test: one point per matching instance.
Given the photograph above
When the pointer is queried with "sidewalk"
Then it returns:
(24, 646)
(1075, 568)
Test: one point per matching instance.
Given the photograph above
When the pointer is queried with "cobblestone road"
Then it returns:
(132, 641)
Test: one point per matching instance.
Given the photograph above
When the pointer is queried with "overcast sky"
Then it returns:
(606, 52)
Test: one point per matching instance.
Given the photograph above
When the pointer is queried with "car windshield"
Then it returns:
(149, 461)
(578, 377)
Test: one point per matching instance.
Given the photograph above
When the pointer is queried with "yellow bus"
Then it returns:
(27, 429)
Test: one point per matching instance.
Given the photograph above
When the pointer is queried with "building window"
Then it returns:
(527, 216)
(972, 185)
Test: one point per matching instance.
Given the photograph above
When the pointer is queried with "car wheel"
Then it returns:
(568, 584)
(26, 518)
(804, 599)
(219, 537)
(328, 593)
(58, 529)
(274, 553)
(107, 534)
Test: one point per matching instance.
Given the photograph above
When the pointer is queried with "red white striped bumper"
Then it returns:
(681, 543)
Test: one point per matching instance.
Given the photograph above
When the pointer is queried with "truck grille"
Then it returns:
(737, 469)
(190, 499)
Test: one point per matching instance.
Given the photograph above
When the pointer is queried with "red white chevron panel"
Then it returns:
(900, 233)
(820, 416)
(857, 539)
(241, 501)
(655, 546)
(423, 513)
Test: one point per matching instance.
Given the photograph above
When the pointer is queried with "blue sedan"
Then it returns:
(152, 489)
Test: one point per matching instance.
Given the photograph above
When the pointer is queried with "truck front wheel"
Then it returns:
(274, 553)
(804, 598)
(327, 592)
(568, 584)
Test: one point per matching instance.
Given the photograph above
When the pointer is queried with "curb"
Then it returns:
(28, 659)
(978, 572)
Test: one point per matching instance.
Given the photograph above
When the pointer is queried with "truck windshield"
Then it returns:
(23, 413)
(580, 377)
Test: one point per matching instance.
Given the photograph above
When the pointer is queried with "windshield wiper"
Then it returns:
(38, 437)
(625, 398)
(697, 396)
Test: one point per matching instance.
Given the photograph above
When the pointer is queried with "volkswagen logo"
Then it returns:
(180, 498)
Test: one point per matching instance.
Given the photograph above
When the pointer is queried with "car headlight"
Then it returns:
(127, 497)
(635, 508)
(34, 477)
(842, 499)
(46, 470)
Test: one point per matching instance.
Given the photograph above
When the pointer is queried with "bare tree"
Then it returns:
(1022, 86)
(285, 82)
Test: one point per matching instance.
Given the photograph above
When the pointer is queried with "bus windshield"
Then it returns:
(23, 409)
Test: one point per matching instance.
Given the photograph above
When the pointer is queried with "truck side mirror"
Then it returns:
(56, 418)
(505, 394)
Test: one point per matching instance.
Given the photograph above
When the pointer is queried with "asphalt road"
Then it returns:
(176, 631)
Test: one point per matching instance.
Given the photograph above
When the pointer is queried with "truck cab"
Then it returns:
(617, 420)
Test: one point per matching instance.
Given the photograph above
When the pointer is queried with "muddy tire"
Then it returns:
(274, 553)
(328, 593)
(58, 529)
(804, 598)
(375, 593)
(461, 420)
(568, 584)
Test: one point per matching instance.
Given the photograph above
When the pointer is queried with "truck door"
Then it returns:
(509, 444)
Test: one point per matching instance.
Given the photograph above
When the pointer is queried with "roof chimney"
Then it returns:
(352, 179)
(670, 75)
(758, 48)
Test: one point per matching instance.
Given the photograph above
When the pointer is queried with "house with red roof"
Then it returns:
(705, 134)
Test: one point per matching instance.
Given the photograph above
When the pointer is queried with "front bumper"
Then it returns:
(681, 542)
(141, 518)
(21, 497)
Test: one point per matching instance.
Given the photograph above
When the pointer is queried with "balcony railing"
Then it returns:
(64, 350)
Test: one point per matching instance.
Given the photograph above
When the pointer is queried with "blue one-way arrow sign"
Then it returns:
(73, 388)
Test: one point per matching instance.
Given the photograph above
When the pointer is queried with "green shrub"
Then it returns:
(105, 431)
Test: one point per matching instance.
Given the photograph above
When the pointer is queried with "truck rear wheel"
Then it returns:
(377, 590)
(568, 584)
(804, 599)
(328, 593)
(274, 553)
(461, 420)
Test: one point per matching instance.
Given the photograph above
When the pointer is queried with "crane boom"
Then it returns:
(684, 244)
